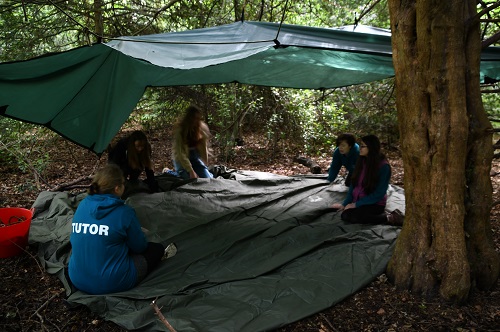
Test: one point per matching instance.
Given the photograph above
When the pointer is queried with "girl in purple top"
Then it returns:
(367, 195)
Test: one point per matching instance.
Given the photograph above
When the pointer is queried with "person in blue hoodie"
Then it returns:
(346, 154)
(367, 196)
(110, 252)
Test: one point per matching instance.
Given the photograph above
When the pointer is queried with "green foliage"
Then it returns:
(20, 146)
(491, 103)
(230, 106)
(158, 108)
(370, 109)
(309, 120)
(29, 29)
(336, 13)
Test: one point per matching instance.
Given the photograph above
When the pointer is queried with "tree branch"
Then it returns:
(490, 91)
(490, 20)
(37, 312)
(156, 14)
(488, 41)
(20, 156)
(329, 323)
(477, 18)
(29, 254)
(71, 185)
(162, 318)
(486, 10)
(366, 12)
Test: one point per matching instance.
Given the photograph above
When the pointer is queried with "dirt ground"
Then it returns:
(32, 300)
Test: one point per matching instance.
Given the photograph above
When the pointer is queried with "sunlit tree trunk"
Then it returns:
(446, 244)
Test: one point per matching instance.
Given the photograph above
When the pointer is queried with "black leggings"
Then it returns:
(146, 262)
(366, 214)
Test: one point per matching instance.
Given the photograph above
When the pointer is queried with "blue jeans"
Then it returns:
(198, 165)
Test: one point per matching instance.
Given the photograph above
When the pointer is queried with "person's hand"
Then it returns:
(338, 206)
(350, 206)
(193, 175)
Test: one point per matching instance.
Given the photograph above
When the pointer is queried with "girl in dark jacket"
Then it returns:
(133, 155)
(367, 195)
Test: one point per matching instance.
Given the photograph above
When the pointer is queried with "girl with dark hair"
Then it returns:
(190, 146)
(366, 199)
(110, 252)
(133, 155)
(346, 154)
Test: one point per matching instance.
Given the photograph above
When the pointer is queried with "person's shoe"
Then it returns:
(396, 218)
(170, 251)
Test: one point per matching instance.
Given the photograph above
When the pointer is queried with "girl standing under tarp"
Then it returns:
(133, 155)
(110, 252)
(367, 196)
(190, 146)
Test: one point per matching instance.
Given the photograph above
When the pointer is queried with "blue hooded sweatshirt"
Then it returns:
(339, 160)
(105, 232)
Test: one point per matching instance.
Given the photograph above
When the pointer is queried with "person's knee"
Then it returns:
(350, 217)
(345, 216)
(153, 254)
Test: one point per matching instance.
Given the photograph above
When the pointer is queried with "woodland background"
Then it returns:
(258, 128)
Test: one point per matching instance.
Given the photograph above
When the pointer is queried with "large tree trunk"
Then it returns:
(445, 245)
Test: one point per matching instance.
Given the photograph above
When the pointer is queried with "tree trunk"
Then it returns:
(99, 25)
(445, 245)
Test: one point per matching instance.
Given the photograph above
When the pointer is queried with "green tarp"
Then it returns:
(86, 94)
(254, 253)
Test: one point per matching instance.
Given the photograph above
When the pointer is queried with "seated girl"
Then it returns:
(110, 252)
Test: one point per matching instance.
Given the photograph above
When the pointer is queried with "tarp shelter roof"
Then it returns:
(86, 94)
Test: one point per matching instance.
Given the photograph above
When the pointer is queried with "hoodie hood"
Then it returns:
(100, 205)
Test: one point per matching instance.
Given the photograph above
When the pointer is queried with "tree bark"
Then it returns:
(99, 25)
(483, 259)
(446, 151)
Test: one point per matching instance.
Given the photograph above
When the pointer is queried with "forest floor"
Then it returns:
(33, 300)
